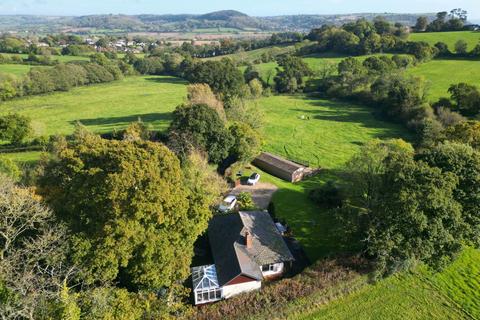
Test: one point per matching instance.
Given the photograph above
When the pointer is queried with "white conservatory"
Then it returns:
(205, 284)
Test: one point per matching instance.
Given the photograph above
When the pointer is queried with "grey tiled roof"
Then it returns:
(226, 234)
(268, 245)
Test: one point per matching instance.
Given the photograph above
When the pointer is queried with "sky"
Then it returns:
(251, 7)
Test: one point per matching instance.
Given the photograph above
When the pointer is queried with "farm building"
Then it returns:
(247, 248)
(279, 167)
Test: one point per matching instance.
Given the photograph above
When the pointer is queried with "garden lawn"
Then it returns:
(450, 38)
(440, 74)
(104, 107)
(450, 294)
(333, 133)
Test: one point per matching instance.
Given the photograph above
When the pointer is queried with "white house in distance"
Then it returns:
(247, 248)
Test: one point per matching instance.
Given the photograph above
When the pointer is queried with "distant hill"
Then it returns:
(185, 22)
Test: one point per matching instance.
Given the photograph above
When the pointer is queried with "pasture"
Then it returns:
(327, 134)
(440, 74)
(103, 108)
(414, 295)
(59, 58)
(17, 69)
(450, 38)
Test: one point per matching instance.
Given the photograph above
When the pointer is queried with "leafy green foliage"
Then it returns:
(246, 142)
(127, 208)
(463, 161)
(409, 211)
(245, 201)
(199, 126)
(466, 97)
(290, 77)
(15, 128)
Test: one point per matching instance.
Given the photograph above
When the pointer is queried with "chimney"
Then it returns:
(248, 240)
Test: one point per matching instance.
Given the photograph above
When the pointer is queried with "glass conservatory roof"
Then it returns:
(204, 277)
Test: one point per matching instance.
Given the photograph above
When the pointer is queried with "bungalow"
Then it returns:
(279, 167)
(247, 248)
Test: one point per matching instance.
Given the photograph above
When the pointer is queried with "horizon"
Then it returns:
(250, 7)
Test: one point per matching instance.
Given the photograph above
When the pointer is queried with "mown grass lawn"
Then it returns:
(333, 132)
(450, 38)
(422, 294)
(440, 74)
(103, 108)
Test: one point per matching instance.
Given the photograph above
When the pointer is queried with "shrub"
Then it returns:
(245, 202)
(328, 195)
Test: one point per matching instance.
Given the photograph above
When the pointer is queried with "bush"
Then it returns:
(245, 202)
(14, 128)
(328, 195)
(9, 168)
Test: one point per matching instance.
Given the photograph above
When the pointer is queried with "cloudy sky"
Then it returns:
(251, 7)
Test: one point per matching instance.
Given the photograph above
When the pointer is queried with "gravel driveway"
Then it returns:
(261, 193)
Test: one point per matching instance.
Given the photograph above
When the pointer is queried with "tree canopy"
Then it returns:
(127, 208)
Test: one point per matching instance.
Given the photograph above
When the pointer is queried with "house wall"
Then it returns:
(234, 289)
(279, 267)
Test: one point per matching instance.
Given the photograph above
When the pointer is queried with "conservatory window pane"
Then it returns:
(218, 293)
(199, 297)
(205, 296)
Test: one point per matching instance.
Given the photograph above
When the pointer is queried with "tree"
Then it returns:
(463, 161)
(223, 77)
(127, 208)
(407, 208)
(442, 49)
(399, 97)
(246, 142)
(33, 268)
(421, 24)
(15, 128)
(467, 132)
(256, 88)
(290, 77)
(461, 47)
(204, 129)
(466, 97)
(202, 94)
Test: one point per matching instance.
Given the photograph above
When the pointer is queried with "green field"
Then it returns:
(417, 295)
(450, 38)
(16, 69)
(440, 74)
(251, 56)
(333, 133)
(59, 58)
(102, 108)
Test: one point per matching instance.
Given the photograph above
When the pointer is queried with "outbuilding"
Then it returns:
(280, 167)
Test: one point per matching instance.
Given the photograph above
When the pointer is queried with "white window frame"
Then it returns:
(211, 294)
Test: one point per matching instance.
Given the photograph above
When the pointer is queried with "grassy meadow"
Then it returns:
(450, 38)
(17, 69)
(59, 58)
(103, 107)
(327, 134)
(440, 74)
(413, 295)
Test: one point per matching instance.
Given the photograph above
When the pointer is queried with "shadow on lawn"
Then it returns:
(346, 112)
(171, 80)
(114, 121)
(321, 231)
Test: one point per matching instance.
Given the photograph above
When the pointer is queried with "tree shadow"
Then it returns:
(166, 79)
(124, 120)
